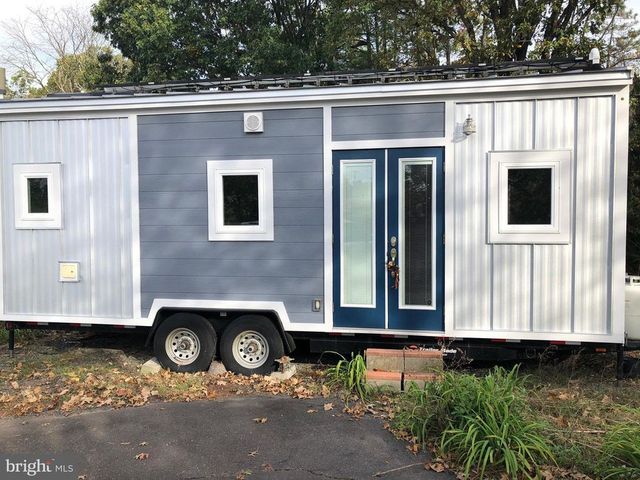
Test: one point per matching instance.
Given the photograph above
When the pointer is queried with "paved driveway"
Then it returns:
(218, 439)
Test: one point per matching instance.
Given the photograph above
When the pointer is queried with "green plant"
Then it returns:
(621, 453)
(483, 421)
(350, 375)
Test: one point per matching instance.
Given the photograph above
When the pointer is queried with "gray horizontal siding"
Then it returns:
(197, 198)
(229, 251)
(228, 268)
(380, 122)
(214, 146)
(178, 260)
(226, 117)
(196, 181)
(154, 233)
(293, 162)
(290, 216)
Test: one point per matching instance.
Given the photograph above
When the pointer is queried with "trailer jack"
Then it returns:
(12, 339)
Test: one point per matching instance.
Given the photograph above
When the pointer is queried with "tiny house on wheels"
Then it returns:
(479, 204)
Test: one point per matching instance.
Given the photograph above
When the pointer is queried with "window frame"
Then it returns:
(499, 229)
(216, 170)
(52, 219)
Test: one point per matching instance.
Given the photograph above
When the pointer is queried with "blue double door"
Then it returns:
(388, 226)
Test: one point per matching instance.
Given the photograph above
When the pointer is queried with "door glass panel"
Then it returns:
(357, 230)
(416, 250)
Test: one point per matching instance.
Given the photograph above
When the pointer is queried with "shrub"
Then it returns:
(485, 422)
(350, 375)
(621, 449)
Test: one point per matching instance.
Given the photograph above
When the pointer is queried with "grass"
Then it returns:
(621, 449)
(21, 336)
(593, 420)
(484, 422)
(350, 375)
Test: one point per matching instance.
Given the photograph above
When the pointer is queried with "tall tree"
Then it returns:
(503, 30)
(35, 43)
(181, 39)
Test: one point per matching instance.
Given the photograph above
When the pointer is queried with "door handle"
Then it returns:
(391, 264)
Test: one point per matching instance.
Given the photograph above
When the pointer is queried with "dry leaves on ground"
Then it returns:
(87, 383)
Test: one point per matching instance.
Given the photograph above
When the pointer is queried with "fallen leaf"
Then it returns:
(242, 475)
(254, 453)
(328, 406)
(15, 385)
(311, 410)
(325, 391)
(435, 466)
(82, 477)
(260, 420)
(142, 456)
(142, 444)
(267, 467)
(125, 443)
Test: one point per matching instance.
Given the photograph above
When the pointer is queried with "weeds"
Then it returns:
(22, 335)
(484, 421)
(621, 453)
(350, 375)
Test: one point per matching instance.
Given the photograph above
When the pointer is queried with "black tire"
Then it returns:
(194, 327)
(265, 332)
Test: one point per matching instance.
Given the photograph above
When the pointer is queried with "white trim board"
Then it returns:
(136, 265)
(476, 87)
(327, 158)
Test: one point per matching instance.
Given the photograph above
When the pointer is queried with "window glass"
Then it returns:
(416, 284)
(38, 195)
(529, 196)
(358, 233)
(240, 197)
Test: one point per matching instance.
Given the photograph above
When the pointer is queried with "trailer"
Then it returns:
(479, 204)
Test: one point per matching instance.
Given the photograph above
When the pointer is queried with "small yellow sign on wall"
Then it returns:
(69, 271)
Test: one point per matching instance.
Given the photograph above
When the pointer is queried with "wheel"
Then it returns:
(185, 342)
(251, 344)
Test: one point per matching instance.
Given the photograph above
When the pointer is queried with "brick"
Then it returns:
(420, 379)
(387, 379)
(384, 359)
(422, 361)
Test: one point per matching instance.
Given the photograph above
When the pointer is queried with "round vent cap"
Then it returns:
(253, 122)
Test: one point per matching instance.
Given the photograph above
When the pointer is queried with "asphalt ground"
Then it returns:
(218, 439)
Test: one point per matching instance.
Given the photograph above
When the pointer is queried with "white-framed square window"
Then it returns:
(530, 197)
(37, 196)
(240, 196)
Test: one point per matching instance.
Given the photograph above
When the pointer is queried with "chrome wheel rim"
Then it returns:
(250, 349)
(182, 346)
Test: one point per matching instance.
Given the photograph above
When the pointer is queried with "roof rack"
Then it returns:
(330, 79)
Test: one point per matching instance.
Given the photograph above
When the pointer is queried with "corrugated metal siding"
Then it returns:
(541, 288)
(178, 260)
(592, 216)
(96, 220)
(472, 256)
(512, 263)
(552, 272)
(378, 122)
